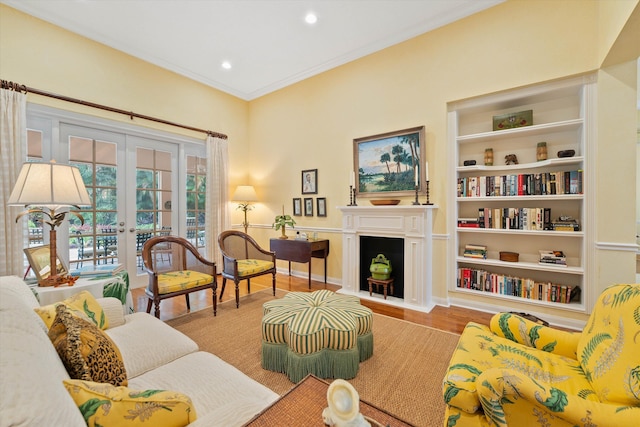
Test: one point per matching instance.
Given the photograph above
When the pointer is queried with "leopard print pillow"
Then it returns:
(86, 351)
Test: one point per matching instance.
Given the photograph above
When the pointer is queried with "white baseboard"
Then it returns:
(492, 308)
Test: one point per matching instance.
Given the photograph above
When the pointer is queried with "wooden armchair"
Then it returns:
(184, 272)
(242, 259)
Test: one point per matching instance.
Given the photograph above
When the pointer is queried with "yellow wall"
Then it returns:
(312, 124)
(46, 57)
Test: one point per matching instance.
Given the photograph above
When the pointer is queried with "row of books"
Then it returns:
(518, 219)
(475, 251)
(553, 258)
(538, 184)
(97, 270)
(481, 280)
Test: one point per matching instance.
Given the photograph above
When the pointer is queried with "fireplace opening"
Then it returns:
(393, 249)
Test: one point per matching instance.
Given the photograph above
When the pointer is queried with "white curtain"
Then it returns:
(13, 143)
(216, 205)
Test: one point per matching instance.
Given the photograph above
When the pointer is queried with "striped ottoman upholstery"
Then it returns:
(320, 333)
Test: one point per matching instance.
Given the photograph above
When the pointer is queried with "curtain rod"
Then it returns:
(22, 88)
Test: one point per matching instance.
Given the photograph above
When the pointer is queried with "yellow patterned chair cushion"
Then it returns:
(82, 304)
(179, 280)
(519, 373)
(86, 352)
(320, 333)
(247, 267)
(106, 405)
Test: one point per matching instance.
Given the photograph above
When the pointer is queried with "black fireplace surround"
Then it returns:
(390, 247)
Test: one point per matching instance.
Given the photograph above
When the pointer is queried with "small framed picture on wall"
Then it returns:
(308, 206)
(322, 206)
(310, 181)
(297, 206)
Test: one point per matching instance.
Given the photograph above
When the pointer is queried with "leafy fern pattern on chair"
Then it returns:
(518, 373)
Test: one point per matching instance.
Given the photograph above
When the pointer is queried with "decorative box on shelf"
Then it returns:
(513, 120)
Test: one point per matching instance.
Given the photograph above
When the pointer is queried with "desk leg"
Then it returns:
(309, 273)
(289, 268)
(325, 270)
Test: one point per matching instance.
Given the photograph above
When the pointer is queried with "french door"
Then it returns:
(131, 181)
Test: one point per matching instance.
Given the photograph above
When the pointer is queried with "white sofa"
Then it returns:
(155, 356)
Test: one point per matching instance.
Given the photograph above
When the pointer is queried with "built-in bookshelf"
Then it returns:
(525, 208)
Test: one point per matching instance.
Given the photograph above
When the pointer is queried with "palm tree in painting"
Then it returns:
(386, 158)
(412, 140)
(398, 152)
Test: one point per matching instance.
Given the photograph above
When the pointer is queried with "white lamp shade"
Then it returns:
(245, 193)
(49, 185)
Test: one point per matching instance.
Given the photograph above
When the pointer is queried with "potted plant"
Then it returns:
(281, 221)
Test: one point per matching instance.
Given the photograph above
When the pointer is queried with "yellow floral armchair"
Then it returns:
(519, 373)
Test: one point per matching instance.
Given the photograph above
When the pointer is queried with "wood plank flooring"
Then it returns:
(451, 319)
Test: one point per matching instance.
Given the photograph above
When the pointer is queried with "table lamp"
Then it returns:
(245, 194)
(46, 188)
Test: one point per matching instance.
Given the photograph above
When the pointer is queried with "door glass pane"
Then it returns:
(95, 241)
(153, 195)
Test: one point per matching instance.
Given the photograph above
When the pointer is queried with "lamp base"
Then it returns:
(57, 281)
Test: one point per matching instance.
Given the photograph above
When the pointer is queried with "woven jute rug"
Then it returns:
(403, 377)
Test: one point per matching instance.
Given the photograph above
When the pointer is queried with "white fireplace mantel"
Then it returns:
(414, 224)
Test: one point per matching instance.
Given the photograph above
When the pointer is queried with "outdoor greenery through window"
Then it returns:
(196, 197)
(96, 240)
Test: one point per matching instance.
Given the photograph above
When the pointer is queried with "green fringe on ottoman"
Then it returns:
(274, 356)
(365, 346)
(325, 363)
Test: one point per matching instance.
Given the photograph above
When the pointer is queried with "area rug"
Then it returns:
(403, 377)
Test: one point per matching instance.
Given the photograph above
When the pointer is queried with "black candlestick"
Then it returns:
(354, 197)
(427, 191)
(416, 202)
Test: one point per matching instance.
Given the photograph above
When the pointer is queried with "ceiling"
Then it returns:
(268, 43)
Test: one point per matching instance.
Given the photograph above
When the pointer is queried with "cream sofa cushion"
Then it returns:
(222, 395)
(147, 343)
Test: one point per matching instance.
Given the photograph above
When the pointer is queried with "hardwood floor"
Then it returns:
(451, 319)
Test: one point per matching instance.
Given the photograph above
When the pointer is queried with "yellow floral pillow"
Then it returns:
(104, 404)
(82, 304)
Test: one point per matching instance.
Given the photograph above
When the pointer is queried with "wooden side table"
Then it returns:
(301, 251)
(384, 283)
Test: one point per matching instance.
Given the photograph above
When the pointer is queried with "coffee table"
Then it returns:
(303, 406)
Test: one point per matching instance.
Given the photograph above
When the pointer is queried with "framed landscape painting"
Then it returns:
(390, 164)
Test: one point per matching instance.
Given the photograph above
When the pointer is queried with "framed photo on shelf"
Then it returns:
(39, 260)
(297, 206)
(321, 203)
(310, 181)
(390, 164)
(308, 206)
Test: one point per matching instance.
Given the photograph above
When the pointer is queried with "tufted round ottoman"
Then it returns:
(320, 333)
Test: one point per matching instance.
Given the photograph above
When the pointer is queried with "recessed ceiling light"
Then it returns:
(226, 65)
(311, 18)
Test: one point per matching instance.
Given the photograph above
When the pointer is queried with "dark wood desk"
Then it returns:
(303, 406)
(301, 251)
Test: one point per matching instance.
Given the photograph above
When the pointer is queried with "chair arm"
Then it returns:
(113, 310)
(531, 334)
(511, 398)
